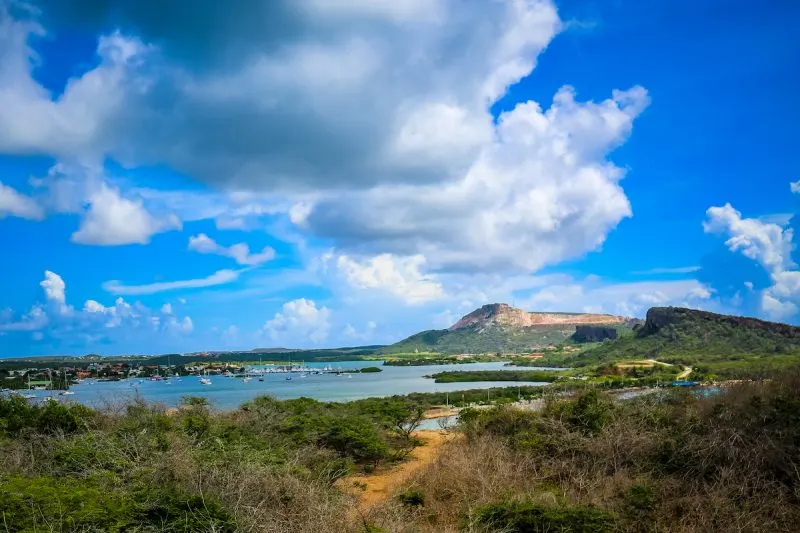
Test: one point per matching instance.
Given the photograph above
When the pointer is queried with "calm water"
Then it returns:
(229, 393)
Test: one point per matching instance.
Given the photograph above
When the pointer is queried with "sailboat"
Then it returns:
(205, 380)
(66, 391)
(29, 396)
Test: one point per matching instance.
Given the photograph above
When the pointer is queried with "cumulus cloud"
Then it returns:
(33, 320)
(113, 220)
(795, 186)
(219, 277)
(400, 276)
(56, 319)
(394, 134)
(14, 204)
(227, 112)
(240, 252)
(770, 245)
(626, 299)
(300, 321)
(54, 287)
(539, 193)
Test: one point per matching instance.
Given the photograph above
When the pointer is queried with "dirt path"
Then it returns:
(687, 370)
(381, 485)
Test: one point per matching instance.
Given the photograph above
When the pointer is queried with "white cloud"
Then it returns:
(93, 306)
(795, 186)
(95, 321)
(240, 252)
(300, 321)
(219, 277)
(166, 309)
(12, 203)
(674, 270)
(113, 220)
(539, 193)
(231, 85)
(180, 326)
(350, 332)
(54, 287)
(33, 320)
(400, 276)
(769, 244)
(626, 299)
(393, 131)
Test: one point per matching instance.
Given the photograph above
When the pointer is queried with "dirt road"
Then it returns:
(379, 486)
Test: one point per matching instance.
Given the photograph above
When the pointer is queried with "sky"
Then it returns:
(197, 175)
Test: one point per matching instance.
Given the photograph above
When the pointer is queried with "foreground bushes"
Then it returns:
(269, 466)
(529, 517)
(38, 503)
(669, 461)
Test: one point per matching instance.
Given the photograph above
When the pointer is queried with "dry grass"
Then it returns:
(722, 464)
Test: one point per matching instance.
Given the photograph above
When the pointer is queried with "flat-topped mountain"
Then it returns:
(501, 328)
(505, 315)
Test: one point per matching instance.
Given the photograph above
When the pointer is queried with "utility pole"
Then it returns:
(447, 399)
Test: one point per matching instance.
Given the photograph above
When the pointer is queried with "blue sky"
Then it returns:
(341, 173)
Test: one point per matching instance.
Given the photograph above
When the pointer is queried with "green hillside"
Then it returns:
(476, 339)
(691, 337)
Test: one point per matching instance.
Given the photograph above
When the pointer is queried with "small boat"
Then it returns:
(246, 379)
(349, 376)
(288, 378)
(205, 381)
(66, 393)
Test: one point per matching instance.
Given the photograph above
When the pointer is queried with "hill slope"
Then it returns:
(688, 336)
(502, 328)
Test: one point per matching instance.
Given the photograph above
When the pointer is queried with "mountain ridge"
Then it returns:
(691, 336)
(504, 314)
(499, 327)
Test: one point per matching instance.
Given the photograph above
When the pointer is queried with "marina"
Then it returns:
(322, 381)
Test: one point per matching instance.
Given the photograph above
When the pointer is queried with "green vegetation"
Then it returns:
(666, 461)
(495, 375)
(365, 370)
(716, 346)
(477, 340)
(142, 468)
(589, 463)
(657, 463)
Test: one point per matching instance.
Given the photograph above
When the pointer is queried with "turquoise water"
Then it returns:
(229, 393)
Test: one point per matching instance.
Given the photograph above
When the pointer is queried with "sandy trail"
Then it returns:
(381, 485)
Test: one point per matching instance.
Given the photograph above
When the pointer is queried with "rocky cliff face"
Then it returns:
(505, 315)
(661, 317)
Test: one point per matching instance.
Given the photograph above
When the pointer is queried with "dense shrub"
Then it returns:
(17, 415)
(33, 503)
(529, 517)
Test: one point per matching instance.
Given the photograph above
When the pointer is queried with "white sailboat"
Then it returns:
(205, 380)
